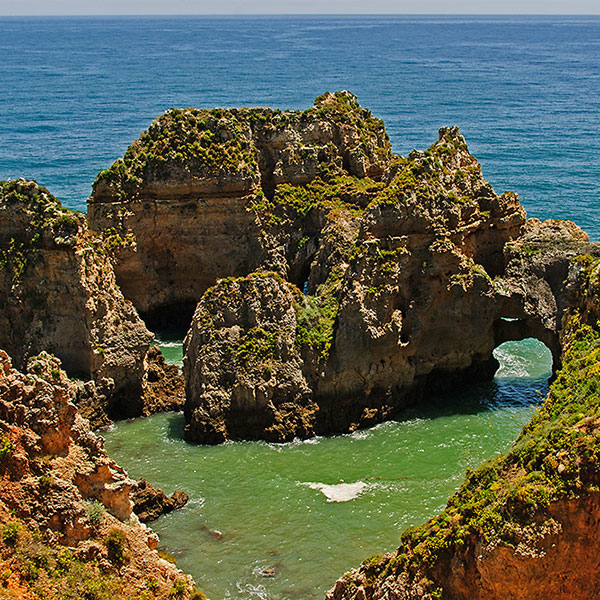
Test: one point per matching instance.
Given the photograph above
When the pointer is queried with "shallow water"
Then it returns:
(308, 511)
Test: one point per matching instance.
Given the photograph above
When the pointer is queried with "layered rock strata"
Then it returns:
(66, 523)
(59, 294)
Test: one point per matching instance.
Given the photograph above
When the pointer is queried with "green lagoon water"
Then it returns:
(310, 510)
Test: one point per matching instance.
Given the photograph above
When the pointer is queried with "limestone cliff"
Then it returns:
(192, 189)
(399, 296)
(66, 524)
(59, 294)
(396, 274)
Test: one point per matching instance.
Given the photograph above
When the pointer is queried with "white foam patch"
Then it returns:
(339, 492)
(170, 344)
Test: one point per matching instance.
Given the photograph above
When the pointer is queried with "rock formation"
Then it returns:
(192, 187)
(163, 385)
(58, 294)
(243, 365)
(523, 525)
(66, 522)
(333, 284)
(150, 502)
(399, 296)
(354, 279)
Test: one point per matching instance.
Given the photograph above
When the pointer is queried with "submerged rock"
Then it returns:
(59, 295)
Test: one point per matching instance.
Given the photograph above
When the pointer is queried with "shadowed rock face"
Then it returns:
(59, 294)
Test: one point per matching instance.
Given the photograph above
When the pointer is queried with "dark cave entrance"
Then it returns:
(173, 319)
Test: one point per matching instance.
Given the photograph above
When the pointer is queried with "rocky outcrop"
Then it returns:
(150, 502)
(402, 273)
(193, 188)
(522, 526)
(399, 296)
(243, 371)
(59, 294)
(163, 385)
(66, 520)
(541, 281)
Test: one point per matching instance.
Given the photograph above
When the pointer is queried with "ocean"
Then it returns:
(525, 91)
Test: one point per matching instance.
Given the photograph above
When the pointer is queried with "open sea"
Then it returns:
(525, 92)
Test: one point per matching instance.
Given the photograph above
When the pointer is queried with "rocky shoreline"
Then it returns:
(327, 284)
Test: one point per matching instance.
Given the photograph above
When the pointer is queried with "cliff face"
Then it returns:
(190, 190)
(66, 523)
(402, 273)
(523, 525)
(399, 295)
(59, 294)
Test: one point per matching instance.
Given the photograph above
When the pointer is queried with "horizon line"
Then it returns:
(312, 14)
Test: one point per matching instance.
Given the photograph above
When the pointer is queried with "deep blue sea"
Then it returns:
(525, 91)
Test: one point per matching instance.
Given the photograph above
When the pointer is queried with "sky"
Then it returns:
(155, 7)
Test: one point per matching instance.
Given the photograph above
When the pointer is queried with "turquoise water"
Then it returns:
(308, 511)
(524, 90)
(171, 347)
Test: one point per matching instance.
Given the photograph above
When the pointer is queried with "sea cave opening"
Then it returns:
(170, 324)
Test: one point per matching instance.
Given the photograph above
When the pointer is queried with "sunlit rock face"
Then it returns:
(59, 294)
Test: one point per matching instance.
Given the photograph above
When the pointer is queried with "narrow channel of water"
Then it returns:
(305, 512)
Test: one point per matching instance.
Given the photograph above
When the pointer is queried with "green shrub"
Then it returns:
(6, 447)
(95, 513)
(179, 588)
(10, 533)
(115, 545)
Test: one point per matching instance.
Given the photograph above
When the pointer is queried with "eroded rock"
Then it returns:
(59, 295)
(150, 502)
(244, 376)
(63, 502)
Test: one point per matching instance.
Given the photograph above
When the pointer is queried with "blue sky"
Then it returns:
(116, 7)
